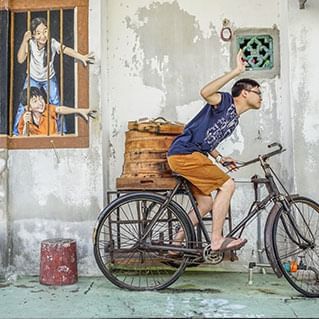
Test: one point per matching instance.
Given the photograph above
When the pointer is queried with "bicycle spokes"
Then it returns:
(295, 246)
(297, 229)
(134, 239)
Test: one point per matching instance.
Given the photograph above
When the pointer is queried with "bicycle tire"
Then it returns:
(119, 251)
(298, 261)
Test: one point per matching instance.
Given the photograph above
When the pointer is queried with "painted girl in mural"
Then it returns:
(37, 39)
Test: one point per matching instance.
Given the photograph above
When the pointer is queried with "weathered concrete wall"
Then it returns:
(3, 212)
(58, 196)
(152, 59)
(304, 68)
(160, 55)
(162, 52)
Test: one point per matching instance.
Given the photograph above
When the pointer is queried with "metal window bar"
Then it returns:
(48, 67)
(27, 132)
(11, 73)
(61, 69)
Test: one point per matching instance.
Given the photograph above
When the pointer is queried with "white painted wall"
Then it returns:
(53, 196)
(304, 68)
(3, 212)
(162, 52)
(160, 55)
(152, 59)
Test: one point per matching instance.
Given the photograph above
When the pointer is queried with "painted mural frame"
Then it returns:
(81, 138)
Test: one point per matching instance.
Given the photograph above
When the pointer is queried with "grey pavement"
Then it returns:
(197, 293)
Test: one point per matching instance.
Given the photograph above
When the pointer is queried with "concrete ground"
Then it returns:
(195, 294)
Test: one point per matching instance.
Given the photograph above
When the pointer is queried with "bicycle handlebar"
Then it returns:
(264, 157)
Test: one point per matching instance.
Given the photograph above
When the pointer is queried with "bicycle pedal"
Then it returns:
(212, 258)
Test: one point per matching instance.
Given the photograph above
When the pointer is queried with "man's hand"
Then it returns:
(229, 162)
(240, 62)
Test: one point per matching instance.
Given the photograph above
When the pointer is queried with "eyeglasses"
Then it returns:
(256, 92)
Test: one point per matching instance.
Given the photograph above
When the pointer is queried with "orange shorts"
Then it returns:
(198, 169)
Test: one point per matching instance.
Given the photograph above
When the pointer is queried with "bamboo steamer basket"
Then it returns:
(145, 164)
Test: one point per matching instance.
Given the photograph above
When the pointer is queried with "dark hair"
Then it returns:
(243, 84)
(37, 21)
(34, 91)
(34, 24)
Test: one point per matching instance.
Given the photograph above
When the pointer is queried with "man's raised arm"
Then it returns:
(210, 91)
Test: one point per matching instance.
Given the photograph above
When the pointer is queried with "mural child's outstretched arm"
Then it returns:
(85, 113)
(84, 58)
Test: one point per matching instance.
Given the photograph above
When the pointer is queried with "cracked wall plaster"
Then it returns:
(161, 53)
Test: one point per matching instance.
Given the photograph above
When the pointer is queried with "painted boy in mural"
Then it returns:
(37, 42)
(35, 121)
(188, 153)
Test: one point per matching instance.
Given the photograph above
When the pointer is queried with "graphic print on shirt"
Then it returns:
(222, 128)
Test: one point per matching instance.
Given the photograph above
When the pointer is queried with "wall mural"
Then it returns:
(39, 73)
(45, 72)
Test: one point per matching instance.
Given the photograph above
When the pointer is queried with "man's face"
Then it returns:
(37, 104)
(254, 97)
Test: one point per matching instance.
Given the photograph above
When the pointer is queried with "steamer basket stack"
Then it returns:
(146, 144)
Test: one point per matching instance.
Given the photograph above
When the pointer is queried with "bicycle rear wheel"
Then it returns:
(295, 237)
(126, 258)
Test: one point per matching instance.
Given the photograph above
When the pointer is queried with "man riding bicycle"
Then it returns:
(188, 154)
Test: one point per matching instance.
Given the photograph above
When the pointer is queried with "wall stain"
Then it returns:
(174, 50)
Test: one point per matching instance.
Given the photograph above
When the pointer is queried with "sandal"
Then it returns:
(225, 245)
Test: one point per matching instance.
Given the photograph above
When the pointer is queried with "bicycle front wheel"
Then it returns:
(127, 257)
(295, 239)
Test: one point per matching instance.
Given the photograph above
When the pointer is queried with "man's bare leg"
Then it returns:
(204, 205)
(220, 211)
(220, 208)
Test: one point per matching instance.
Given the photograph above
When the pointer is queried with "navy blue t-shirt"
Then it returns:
(207, 129)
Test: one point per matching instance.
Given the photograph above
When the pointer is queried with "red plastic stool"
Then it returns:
(58, 265)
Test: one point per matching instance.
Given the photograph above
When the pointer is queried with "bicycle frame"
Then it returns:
(274, 195)
(182, 186)
(154, 220)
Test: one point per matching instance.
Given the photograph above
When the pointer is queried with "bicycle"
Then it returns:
(135, 233)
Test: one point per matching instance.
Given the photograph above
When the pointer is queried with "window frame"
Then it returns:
(81, 139)
(261, 73)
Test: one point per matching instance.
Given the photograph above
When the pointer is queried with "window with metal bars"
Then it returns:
(33, 70)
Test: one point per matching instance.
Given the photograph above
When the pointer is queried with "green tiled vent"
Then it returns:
(258, 51)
